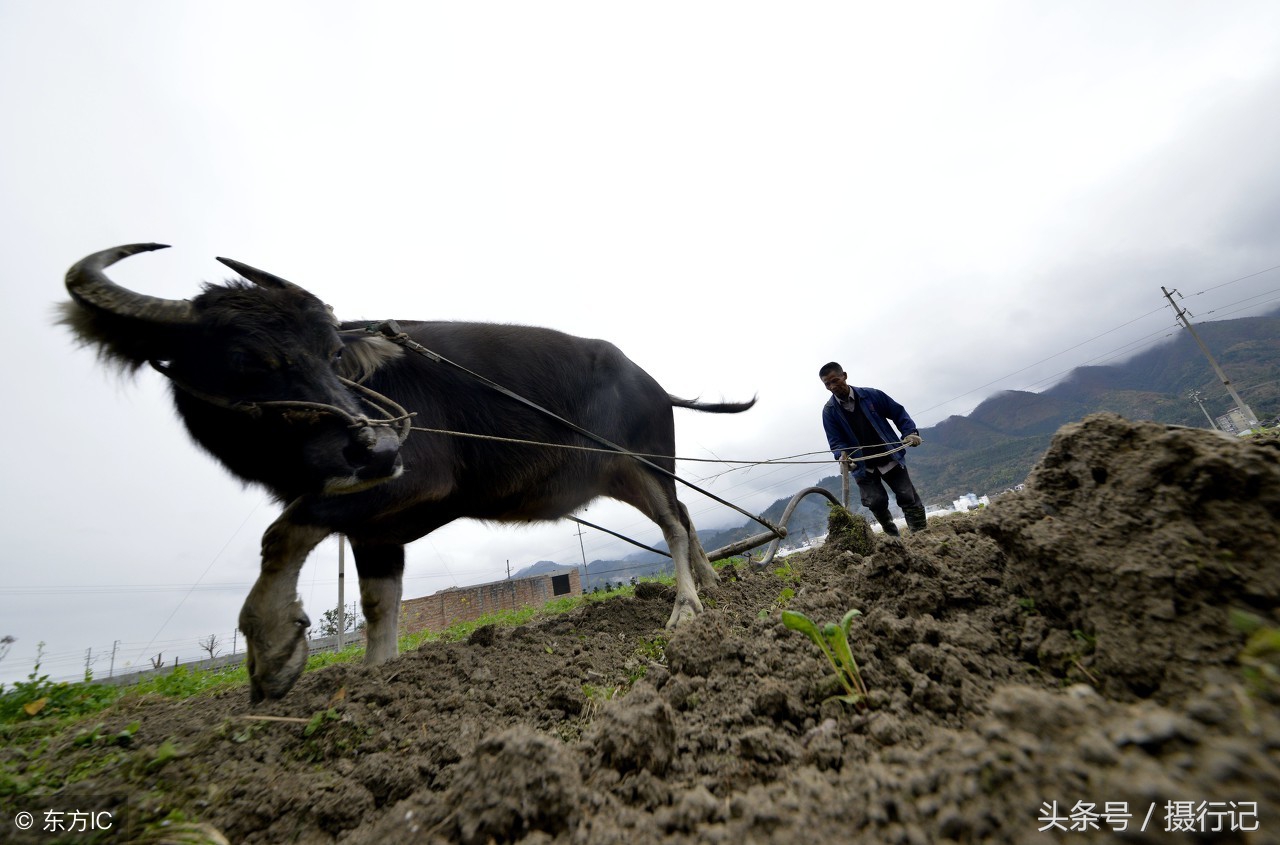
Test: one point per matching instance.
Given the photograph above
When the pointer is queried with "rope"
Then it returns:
(394, 415)
(744, 463)
(391, 330)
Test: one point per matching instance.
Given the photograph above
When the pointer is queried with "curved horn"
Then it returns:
(258, 277)
(89, 285)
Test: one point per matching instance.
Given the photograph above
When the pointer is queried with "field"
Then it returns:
(1095, 658)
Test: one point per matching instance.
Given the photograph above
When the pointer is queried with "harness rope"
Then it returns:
(390, 330)
(395, 416)
(745, 463)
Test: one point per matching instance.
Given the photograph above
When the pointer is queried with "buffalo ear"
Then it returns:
(363, 356)
(119, 341)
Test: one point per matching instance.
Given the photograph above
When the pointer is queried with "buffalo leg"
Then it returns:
(703, 572)
(381, 570)
(272, 619)
(656, 499)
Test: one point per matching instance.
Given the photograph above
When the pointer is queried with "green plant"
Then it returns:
(163, 756)
(786, 572)
(653, 648)
(95, 736)
(37, 696)
(184, 682)
(832, 639)
(1260, 662)
(318, 720)
(595, 693)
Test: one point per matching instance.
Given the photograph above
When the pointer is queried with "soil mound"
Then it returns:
(1095, 657)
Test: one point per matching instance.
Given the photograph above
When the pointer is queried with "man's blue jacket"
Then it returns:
(879, 408)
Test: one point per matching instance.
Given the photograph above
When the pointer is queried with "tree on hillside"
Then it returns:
(352, 622)
(211, 645)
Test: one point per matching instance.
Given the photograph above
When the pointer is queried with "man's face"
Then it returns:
(837, 383)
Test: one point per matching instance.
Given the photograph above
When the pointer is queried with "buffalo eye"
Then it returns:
(252, 365)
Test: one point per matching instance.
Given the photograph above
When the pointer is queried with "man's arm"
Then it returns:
(890, 409)
(836, 439)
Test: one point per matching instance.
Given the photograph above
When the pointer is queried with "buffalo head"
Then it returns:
(256, 368)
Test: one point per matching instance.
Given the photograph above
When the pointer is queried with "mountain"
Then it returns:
(542, 567)
(994, 447)
(602, 573)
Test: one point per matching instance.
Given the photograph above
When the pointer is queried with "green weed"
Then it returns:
(1260, 657)
(786, 571)
(38, 697)
(653, 648)
(832, 640)
(317, 721)
(163, 756)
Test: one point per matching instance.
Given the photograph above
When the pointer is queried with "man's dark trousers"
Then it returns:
(876, 500)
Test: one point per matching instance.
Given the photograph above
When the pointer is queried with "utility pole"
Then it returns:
(342, 598)
(586, 576)
(111, 671)
(1194, 396)
(1181, 313)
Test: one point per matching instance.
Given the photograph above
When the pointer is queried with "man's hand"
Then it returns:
(912, 440)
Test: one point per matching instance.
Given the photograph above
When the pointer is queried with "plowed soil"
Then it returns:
(1092, 658)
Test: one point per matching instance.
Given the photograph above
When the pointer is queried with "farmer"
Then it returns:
(856, 420)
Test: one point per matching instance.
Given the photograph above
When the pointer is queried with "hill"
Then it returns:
(993, 448)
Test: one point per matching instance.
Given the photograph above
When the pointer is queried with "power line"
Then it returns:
(101, 589)
(1241, 279)
(1042, 360)
(1274, 295)
(212, 561)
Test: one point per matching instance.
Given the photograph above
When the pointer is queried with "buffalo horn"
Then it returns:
(258, 277)
(89, 285)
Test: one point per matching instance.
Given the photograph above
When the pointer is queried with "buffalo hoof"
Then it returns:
(684, 610)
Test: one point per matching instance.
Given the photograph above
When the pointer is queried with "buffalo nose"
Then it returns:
(375, 453)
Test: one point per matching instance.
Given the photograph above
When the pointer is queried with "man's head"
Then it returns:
(835, 379)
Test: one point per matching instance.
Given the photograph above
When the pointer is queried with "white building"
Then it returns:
(1234, 422)
(969, 501)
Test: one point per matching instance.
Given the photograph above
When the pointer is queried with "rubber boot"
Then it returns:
(916, 520)
(886, 522)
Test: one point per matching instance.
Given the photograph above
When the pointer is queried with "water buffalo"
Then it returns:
(283, 394)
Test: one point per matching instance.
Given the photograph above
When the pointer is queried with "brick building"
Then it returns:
(462, 604)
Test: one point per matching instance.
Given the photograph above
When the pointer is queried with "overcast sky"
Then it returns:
(951, 199)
